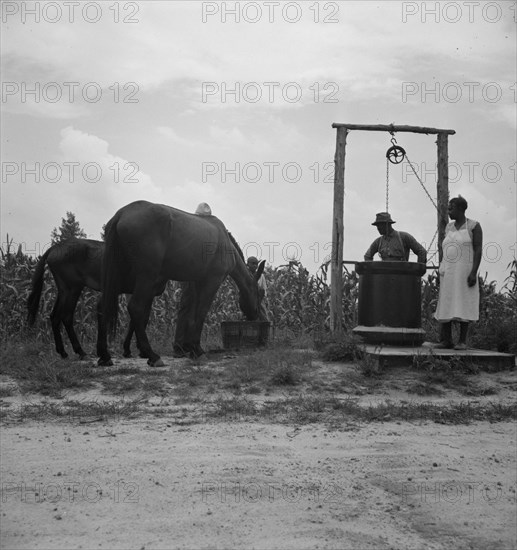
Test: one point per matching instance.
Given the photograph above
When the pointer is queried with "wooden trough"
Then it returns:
(244, 334)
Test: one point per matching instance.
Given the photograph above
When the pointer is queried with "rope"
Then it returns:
(430, 198)
(421, 183)
(431, 244)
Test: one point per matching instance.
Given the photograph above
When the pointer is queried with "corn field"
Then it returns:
(298, 303)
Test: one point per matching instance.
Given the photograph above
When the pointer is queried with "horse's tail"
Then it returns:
(37, 287)
(111, 273)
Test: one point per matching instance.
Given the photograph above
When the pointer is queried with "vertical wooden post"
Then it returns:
(336, 272)
(442, 189)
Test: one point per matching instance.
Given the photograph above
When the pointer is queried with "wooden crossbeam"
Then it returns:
(392, 128)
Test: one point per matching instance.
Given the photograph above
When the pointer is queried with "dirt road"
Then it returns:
(153, 484)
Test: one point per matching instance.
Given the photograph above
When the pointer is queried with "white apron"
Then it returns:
(456, 300)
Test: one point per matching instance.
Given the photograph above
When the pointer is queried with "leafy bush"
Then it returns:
(497, 326)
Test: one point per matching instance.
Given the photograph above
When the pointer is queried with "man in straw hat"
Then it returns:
(393, 246)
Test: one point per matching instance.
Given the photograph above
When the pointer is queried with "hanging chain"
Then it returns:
(393, 141)
(394, 144)
(387, 184)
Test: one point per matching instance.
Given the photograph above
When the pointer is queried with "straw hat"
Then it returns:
(382, 217)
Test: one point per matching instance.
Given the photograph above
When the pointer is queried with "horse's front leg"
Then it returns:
(185, 320)
(126, 346)
(206, 292)
(139, 308)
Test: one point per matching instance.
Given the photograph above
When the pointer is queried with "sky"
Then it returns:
(232, 103)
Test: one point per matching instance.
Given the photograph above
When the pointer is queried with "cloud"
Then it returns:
(83, 177)
(171, 135)
(116, 181)
(169, 43)
(168, 52)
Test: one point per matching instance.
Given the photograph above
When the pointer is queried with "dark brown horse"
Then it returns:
(74, 264)
(148, 244)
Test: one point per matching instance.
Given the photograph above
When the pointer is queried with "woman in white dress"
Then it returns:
(460, 256)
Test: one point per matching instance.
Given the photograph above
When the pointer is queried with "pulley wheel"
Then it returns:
(395, 154)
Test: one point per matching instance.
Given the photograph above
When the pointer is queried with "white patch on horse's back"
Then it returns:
(203, 209)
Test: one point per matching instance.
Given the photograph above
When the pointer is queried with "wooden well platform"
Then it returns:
(399, 356)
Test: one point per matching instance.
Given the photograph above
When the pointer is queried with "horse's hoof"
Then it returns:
(104, 363)
(179, 352)
(157, 363)
(82, 356)
(64, 355)
(127, 354)
(197, 353)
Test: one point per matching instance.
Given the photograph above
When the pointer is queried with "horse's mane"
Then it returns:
(236, 245)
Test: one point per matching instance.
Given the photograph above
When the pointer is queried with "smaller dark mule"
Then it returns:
(74, 264)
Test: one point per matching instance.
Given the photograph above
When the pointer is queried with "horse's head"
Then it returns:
(249, 302)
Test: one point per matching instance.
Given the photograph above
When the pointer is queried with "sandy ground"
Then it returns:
(151, 483)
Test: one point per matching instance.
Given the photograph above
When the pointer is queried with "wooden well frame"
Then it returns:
(442, 185)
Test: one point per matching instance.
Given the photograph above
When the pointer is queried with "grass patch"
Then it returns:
(476, 390)
(431, 363)
(37, 370)
(452, 413)
(273, 384)
(118, 385)
(119, 371)
(230, 409)
(302, 408)
(424, 388)
(52, 377)
(7, 391)
(274, 367)
(299, 409)
(76, 411)
(346, 347)
(147, 382)
(285, 374)
(308, 408)
(369, 366)
(193, 375)
(455, 373)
